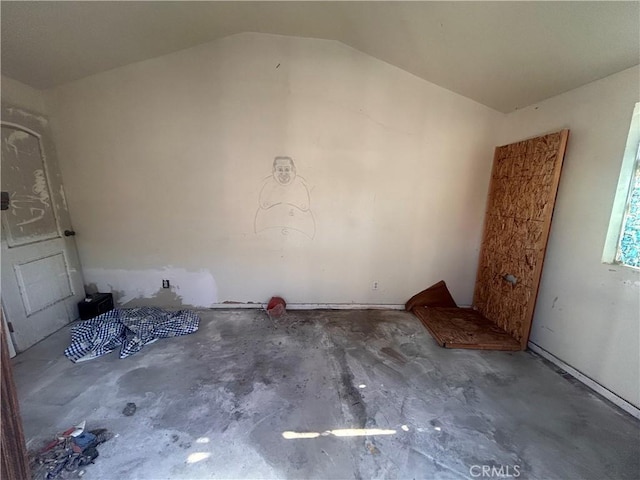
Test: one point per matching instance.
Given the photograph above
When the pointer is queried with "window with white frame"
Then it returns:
(623, 238)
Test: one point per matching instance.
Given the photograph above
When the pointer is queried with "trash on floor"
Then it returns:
(276, 307)
(129, 409)
(129, 328)
(65, 456)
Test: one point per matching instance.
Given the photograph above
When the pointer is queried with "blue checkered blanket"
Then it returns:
(127, 328)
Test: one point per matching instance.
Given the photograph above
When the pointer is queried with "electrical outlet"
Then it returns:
(374, 285)
(165, 284)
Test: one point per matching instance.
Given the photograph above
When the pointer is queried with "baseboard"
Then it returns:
(592, 384)
(233, 306)
(314, 306)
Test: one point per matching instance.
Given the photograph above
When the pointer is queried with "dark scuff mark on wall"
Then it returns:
(164, 298)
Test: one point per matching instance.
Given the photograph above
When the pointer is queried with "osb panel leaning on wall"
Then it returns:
(522, 194)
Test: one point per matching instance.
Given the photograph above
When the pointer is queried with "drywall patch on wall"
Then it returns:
(193, 289)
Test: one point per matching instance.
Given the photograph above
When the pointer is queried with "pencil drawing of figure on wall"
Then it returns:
(284, 202)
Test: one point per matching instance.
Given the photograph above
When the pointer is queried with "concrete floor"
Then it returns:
(215, 404)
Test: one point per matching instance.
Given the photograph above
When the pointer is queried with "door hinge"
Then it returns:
(10, 325)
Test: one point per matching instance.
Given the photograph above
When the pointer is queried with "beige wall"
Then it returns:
(164, 161)
(588, 313)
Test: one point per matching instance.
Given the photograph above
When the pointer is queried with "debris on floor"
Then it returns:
(276, 307)
(65, 456)
(129, 328)
(129, 410)
(373, 450)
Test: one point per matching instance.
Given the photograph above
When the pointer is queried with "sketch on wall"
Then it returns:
(284, 202)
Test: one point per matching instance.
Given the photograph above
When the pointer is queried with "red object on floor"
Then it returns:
(276, 307)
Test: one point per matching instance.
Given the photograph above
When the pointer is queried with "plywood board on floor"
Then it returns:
(464, 328)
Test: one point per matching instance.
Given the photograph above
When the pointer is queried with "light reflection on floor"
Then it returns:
(198, 457)
(344, 432)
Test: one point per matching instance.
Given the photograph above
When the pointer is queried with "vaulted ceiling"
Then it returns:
(504, 55)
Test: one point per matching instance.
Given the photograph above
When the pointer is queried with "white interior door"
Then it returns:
(41, 276)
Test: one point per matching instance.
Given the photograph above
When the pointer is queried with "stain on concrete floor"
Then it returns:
(214, 404)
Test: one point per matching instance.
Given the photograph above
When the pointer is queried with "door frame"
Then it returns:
(13, 449)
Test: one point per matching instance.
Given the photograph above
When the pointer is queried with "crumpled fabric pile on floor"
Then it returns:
(65, 457)
(127, 328)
